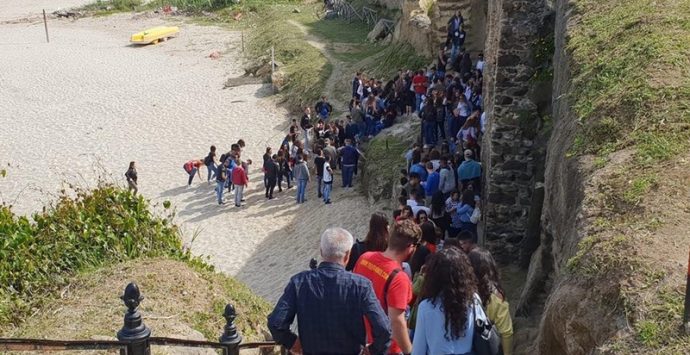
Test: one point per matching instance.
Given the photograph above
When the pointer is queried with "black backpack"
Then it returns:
(208, 160)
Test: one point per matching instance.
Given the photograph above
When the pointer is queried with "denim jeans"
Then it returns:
(454, 52)
(429, 133)
(211, 171)
(301, 190)
(191, 175)
(348, 171)
(418, 102)
(220, 188)
(327, 186)
(238, 194)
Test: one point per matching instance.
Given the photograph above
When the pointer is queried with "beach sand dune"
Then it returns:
(89, 102)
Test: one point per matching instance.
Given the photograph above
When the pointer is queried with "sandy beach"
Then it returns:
(88, 103)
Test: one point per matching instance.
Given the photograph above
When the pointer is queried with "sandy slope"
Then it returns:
(89, 101)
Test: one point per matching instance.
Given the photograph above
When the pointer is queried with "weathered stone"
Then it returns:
(501, 198)
(420, 21)
(508, 60)
(514, 165)
(379, 31)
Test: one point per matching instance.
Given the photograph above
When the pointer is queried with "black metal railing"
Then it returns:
(134, 338)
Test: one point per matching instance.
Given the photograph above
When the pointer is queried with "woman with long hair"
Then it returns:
(427, 246)
(438, 212)
(445, 315)
(492, 295)
(464, 211)
(376, 239)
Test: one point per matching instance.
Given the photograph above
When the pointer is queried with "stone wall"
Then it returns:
(510, 154)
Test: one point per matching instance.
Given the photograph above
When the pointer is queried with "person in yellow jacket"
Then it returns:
(492, 295)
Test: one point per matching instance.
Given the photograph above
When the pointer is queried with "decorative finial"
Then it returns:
(134, 329)
(231, 335)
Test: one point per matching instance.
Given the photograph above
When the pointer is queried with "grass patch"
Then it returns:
(306, 68)
(632, 85)
(398, 56)
(384, 160)
(638, 188)
(599, 255)
(92, 229)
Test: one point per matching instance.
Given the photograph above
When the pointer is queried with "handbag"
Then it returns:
(486, 340)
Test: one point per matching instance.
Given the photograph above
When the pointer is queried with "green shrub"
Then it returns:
(90, 229)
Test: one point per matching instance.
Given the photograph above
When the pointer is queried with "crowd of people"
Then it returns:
(418, 282)
(396, 292)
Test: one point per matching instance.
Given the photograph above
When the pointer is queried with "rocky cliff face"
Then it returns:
(524, 214)
(426, 30)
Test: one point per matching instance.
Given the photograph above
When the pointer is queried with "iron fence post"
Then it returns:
(231, 337)
(134, 331)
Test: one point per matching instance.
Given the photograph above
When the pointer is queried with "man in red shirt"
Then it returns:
(240, 180)
(419, 84)
(392, 286)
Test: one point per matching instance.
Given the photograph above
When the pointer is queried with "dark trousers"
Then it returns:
(270, 186)
(429, 133)
(441, 129)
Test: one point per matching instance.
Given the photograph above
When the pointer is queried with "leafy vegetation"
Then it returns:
(88, 230)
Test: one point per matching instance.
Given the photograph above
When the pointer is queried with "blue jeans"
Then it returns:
(348, 171)
(418, 102)
(327, 186)
(238, 194)
(454, 52)
(220, 188)
(429, 133)
(301, 190)
(211, 171)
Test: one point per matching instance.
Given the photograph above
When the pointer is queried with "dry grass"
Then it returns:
(180, 301)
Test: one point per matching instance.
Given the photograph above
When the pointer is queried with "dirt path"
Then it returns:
(337, 65)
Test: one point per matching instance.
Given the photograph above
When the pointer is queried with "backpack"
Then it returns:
(222, 174)
(208, 160)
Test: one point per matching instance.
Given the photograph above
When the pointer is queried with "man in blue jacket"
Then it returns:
(331, 305)
(469, 171)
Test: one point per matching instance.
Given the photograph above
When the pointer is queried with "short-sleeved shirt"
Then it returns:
(419, 82)
(376, 267)
(327, 176)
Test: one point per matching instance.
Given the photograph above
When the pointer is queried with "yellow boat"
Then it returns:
(154, 35)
